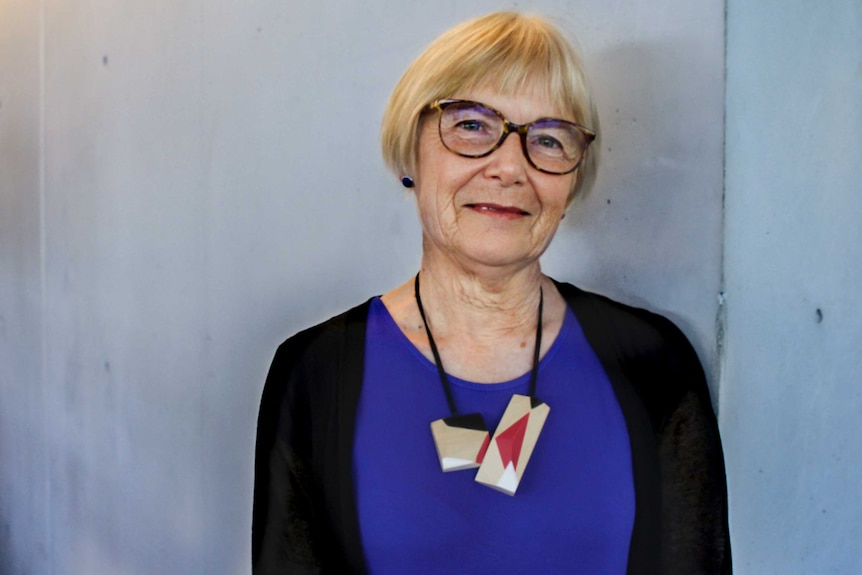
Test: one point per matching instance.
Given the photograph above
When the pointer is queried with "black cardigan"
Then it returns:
(305, 518)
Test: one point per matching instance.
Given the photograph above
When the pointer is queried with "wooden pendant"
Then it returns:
(513, 443)
(461, 441)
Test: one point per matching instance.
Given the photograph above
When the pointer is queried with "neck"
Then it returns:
(483, 320)
(484, 302)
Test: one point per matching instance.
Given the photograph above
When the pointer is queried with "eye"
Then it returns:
(470, 129)
(471, 125)
(546, 142)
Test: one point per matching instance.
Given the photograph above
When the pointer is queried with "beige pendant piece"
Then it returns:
(461, 441)
(514, 440)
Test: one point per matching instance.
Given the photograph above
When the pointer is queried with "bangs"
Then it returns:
(514, 55)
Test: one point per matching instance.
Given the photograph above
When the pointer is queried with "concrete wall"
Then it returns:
(184, 184)
(790, 394)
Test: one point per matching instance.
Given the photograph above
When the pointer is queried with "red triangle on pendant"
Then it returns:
(509, 442)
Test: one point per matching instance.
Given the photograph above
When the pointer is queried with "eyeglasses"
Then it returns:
(474, 130)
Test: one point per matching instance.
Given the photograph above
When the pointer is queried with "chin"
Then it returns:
(500, 258)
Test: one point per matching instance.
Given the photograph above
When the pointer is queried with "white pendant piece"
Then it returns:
(512, 445)
(461, 441)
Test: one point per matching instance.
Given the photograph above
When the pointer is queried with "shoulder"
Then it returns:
(644, 348)
(636, 330)
(308, 364)
(324, 339)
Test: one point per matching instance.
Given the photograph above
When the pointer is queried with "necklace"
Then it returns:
(464, 442)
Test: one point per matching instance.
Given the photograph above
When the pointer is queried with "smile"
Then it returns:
(496, 209)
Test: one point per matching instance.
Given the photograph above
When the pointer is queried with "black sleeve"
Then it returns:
(304, 519)
(283, 517)
(694, 491)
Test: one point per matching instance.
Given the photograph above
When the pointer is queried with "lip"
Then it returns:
(497, 210)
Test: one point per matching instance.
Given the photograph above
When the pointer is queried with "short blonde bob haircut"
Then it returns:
(505, 51)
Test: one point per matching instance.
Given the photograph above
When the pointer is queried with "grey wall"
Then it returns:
(184, 184)
(790, 394)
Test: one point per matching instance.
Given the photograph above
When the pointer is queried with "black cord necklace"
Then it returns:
(464, 442)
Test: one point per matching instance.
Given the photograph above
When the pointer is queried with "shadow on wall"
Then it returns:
(656, 202)
(649, 233)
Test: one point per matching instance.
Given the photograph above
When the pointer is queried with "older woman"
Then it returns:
(481, 417)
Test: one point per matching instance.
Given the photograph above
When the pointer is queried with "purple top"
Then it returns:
(574, 509)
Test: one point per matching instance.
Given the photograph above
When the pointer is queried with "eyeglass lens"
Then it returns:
(470, 129)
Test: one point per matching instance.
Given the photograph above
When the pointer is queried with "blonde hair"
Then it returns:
(504, 51)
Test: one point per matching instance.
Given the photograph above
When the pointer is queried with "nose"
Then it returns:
(508, 162)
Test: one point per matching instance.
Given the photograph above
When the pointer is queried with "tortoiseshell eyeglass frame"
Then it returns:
(509, 128)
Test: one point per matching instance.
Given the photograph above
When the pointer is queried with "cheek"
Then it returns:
(441, 175)
(555, 195)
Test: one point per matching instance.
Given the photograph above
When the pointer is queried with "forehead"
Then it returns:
(520, 106)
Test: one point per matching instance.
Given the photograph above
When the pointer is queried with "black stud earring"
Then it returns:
(407, 182)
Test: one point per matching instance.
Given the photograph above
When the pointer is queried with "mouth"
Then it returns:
(498, 210)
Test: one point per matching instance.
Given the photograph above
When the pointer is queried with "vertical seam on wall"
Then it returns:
(204, 478)
(43, 296)
(721, 311)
